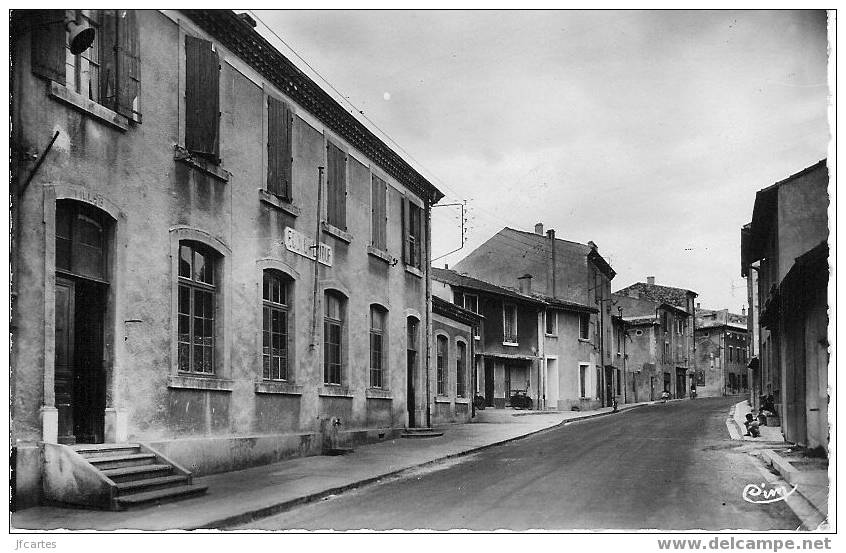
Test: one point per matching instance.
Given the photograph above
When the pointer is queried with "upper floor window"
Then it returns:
(377, 345)
(551, 322)
(196, 308)
(680, 326)
(107, 72)
(412, 231)
(333, 322)
(280, 159)
(441, 365)
(275, 332)
(378, 213)
(461, 370)
(202, 98)
(509, 323)
(584, 326)
(336, 186)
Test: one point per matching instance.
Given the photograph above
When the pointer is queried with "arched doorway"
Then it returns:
(81, 292)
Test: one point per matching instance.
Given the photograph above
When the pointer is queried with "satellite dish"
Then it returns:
(80, 37)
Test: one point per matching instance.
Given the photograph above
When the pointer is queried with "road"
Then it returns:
(667, 467)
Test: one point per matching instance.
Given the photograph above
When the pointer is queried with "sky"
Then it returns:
(648, 132)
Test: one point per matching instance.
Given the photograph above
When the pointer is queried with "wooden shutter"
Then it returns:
(108, 66)
(48, 44)
(279, 159)
(337, 187)
(378, 218)
(202, 115)
(128, 61)
(406, 216)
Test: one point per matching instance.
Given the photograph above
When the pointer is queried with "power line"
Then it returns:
(355, 108)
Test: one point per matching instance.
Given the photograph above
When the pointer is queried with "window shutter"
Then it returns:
(202, 73)
(406, 215)
(337, 192)
(274, 144)
(378, 189)
(128, 60)
(48, 44)
(108, 66)
(287, 152)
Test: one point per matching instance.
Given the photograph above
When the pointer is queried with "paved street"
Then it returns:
(666, 466)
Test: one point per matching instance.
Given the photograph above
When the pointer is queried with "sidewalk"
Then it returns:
(240, 496)
(768, 433)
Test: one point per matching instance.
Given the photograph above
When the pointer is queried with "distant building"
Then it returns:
(506, 340)
(660, 325)
(721, 353)
(575, 282)
(786, 244)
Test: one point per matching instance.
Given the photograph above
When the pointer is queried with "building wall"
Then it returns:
(570, 352)
(449, 408)
(155, 200)
(802, 216)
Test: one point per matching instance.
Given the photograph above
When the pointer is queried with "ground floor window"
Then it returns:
(275, 294)
(377, 341)
(196, 308)
(460, 369)
(332, 325)
(441, 365)
(582, 380)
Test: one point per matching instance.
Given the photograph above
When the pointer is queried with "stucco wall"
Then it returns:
(802, 216)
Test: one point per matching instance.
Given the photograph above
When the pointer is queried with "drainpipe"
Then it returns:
(551, 234)
(428, 276)
(316, 247)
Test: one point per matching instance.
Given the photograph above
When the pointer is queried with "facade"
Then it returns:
(662, 347)
(165, 284)
(786, 245)
(453, 348)
(575, 281)
(507, 338)
(722, 353)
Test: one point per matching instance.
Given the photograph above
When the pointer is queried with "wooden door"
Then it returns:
(89, 386)
(489, 383)
(411, 360)
(64, 353)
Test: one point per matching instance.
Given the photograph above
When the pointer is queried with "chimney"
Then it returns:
(650, 280)
(743, 310)
(698, 305)
(592, 245)
(446, 266)
(539, 228)
(551, 235)
(525, 283)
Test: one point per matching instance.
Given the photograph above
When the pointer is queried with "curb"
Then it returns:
(277, 508)
(794, 476)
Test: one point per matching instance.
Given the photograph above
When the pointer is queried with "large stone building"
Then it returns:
(574, 281)
(185, 275)
(722, 353)
(660, 324)
(786, 244)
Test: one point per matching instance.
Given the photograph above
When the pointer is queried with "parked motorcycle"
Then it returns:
(521, 400)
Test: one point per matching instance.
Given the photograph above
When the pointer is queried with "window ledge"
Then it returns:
(211, 383)
(378, 393)
(477, 337)
(279, 203)
(186, 157)
(92, 108)
(328, 390)
(332, 230)
(511, 344)
(585, 340)
(414, 271)
(464, 400)
(274, 387)
(548, 335)
(442, 399)
(380, 254)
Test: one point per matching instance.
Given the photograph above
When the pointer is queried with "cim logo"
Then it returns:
(766, 493)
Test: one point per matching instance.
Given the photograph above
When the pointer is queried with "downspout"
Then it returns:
(428, 276)
(551, 234)
(316, 247)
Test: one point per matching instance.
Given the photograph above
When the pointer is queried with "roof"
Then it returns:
(717, 318)
(454, 312)
(237, 35)
(639, 321)
(585, 249)
(448, 276)
(564, 305)
(675, 297)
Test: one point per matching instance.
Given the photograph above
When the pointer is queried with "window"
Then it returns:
(107, 72)
(680, 326)
(471, 302)
(80, 240)
(666, 354)
(202, 98)
(582, 380)
(333, 321)
(377, 345)
(196, 308)
(461, 370)
(584, 326)
(412, 231)
(551, 322)
(509, 323)
(442, 365)
(731, 353)
(336, 186)
(619, 380)
(280, 121)
(378, 213)
(275, 305)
